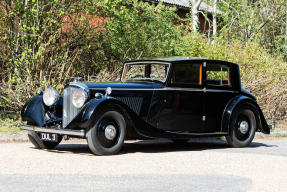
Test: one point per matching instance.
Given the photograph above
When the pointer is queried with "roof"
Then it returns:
(179, 60)
(168, 59)
(174, 59)
(186, 4)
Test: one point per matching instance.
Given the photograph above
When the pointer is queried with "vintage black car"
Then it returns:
(175, 98)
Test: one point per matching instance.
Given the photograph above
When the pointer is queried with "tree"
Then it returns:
(195, 4)
(263, 21)
(214, 19)
(48, 42)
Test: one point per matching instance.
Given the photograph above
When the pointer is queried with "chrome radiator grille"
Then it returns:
(69, 110)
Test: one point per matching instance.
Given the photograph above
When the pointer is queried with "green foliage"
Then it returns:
(49, 42)
(261, 21)
(262, 74)
(9, 122)
(140, 29)
(8, 125)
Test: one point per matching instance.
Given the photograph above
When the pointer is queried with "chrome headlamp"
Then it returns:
(50, 96)
(79, 97)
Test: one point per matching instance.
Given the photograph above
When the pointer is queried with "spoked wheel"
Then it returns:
(107, 136)
(243, 127)
(39, 144)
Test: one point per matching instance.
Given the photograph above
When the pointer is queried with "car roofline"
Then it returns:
(175, 60)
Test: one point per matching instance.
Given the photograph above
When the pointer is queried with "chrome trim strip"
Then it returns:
(123, 89)
(168, 89)
(199, 134)
(80, 85)
(219, 90)
(79, 133)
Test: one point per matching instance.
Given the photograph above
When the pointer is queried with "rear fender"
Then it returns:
(236, 101)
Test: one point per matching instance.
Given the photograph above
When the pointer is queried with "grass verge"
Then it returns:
(9, 126)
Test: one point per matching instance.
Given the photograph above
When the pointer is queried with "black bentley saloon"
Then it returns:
(174, 98)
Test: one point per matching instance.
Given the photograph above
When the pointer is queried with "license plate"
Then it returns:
(49, 137)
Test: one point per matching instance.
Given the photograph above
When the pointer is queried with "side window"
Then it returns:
(217, 75)
(158, 71)
(187, 74)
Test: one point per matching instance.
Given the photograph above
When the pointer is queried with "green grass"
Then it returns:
(8, 125)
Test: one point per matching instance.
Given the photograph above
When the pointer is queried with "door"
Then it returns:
(182, 101)
(219, 91)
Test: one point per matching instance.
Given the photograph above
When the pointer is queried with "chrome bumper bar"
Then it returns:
(70, 132)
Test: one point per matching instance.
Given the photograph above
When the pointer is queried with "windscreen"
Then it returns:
(145, 71)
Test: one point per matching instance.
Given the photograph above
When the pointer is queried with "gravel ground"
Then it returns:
(19, 136)
(152, 165)
(22, 136)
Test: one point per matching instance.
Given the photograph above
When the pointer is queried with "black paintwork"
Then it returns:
(157, 109)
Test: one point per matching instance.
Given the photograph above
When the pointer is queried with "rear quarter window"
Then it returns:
(218, 75)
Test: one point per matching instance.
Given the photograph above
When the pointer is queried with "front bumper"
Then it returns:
(69, 132)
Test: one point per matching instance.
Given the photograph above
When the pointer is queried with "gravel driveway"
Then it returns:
(153, 165)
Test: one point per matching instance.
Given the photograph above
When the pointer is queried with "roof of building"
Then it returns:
(186, 4)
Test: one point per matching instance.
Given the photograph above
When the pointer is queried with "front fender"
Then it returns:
(233, 103)
(85, 117)
(92, 107)
(33, 111)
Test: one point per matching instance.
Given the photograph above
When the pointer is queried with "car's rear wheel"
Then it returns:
(40, 144)
(107, 135)
(242, 127)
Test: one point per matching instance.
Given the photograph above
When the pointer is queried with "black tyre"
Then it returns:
(39, 144)
(242, 127)
(107, 135)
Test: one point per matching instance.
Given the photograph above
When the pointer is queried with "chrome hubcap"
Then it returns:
(243, 127)
(110, 132)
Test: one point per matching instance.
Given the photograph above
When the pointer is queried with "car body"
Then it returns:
(175, 98)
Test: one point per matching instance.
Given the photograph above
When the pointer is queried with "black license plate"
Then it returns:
(49, 137)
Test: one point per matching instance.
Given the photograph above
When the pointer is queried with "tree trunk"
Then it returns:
(286, 33)
(214, 19)
(194, 11)
(195, 20)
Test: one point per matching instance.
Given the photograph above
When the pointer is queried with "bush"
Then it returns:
(52, 41)
(262, 74)
(49, 42)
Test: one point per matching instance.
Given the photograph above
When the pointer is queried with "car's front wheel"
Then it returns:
(40, 144)
(242, 127)
(107, 135)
